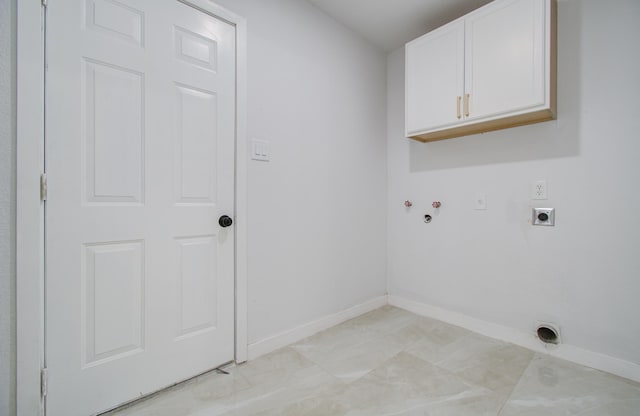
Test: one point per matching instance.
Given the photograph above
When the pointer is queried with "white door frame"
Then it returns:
(30, 210)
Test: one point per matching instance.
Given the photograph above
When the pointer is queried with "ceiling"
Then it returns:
(389, 24)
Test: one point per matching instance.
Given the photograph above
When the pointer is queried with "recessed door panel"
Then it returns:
(115, 19)
(196, 49)
(113, 300)
(196, 145)
(198, 286)
(115, 133)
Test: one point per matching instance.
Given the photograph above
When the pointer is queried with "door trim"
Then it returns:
(30, 210)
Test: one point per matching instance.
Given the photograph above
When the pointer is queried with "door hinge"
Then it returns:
(44, 3)
(43, 382)
(43, 187)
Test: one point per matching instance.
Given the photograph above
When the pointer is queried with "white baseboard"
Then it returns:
(567, 352)
(291, 336)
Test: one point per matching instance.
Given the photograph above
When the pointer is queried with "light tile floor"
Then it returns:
(392, 362)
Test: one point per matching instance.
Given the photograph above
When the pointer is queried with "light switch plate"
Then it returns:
(259, 150)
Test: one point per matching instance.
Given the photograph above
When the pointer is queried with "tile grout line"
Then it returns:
(515, 386)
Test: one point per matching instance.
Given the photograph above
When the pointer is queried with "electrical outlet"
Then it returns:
(544, 216)
(539, 190)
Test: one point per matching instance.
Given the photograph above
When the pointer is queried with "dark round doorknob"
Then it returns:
(225, 221)
(543, 216)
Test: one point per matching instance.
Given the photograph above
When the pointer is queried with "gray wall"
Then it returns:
(7, 205)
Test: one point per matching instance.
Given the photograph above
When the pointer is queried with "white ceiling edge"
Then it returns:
(389, 24)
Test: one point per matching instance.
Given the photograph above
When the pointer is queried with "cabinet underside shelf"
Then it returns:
(485, 126)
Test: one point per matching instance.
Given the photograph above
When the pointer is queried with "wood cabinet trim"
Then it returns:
(486, 126)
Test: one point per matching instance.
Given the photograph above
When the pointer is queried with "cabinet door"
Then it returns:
(505, 58)
(434, 79)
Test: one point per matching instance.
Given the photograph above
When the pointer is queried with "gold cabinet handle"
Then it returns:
(458, 107)
(466, 105)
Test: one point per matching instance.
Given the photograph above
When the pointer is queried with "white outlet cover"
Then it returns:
(539, 190)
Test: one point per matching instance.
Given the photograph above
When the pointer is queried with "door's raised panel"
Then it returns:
(196, 146)
(114, 119)
(198, 284)
(196, 49)
(117, 19)
(113, 300)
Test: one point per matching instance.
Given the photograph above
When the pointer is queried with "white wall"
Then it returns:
(584, 274)
(7, 206)
(317, 210)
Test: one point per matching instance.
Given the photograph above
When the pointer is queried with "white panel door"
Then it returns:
(140, 133)
(434, 77)
(505, 64)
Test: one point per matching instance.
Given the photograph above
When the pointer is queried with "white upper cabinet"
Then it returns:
(491, 69)
(435, 78)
